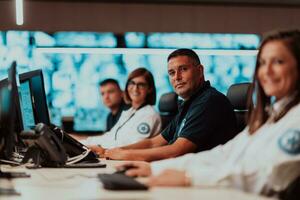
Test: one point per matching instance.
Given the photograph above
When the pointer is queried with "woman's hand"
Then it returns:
(170, 177)
(116, 154)
(136, 168)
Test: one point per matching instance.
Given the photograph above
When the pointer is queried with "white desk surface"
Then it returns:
(76, 184)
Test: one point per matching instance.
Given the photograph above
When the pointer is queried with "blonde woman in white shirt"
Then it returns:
(263, 158)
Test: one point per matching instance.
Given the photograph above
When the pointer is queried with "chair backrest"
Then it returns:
(168, 108)
(238, 96)
(292, 192)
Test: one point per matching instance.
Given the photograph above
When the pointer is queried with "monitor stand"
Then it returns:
(10, 175)
(8, 192)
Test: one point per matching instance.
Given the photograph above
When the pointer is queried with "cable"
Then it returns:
(78, 158)
(10, 162)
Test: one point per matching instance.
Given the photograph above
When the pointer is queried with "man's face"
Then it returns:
(111, 95)
(184, 75)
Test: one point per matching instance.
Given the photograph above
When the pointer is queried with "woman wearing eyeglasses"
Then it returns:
(265, 157)
(139, 122)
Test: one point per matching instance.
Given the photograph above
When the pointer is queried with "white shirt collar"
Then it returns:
(276, 108)
(280, 104)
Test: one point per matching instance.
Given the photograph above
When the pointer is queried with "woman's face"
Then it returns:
(138, 89)
(277, 72)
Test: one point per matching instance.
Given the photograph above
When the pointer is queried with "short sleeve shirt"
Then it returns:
(207, 119)
(111, 119)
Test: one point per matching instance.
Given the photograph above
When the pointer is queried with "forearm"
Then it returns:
(146, 143)
(158, 153)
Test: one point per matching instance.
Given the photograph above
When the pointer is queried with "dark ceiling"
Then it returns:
(223, 2)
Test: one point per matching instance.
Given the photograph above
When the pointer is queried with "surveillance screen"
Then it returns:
(71, 75)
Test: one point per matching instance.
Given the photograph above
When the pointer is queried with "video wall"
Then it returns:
(72, 77)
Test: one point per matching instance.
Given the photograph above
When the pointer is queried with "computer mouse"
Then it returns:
(123, 169)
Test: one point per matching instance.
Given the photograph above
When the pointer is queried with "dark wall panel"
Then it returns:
(93, 16)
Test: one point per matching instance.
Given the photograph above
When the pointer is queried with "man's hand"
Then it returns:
(116, 154)
(98, 150)
(170, 178)
(136, 168)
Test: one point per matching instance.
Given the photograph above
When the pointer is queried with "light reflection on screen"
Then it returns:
(26, 106)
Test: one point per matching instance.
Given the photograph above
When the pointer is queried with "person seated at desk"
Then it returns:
(271, 140)
(205, 119)
(112, 97)
(139, 122)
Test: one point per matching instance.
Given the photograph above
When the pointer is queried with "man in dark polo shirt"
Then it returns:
(112, 97)
(205, 118)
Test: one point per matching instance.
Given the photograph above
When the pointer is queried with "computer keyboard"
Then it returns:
(119, 181)
(86, 165)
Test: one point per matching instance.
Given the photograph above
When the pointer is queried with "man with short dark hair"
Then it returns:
(205, 118)
(112, 97)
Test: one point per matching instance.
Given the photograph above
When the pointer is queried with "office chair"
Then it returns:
(168, 108)
(292, 192)
(238, 96)
(280, 178)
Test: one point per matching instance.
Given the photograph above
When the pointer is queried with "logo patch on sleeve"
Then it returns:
(143, 128)
(289, 142)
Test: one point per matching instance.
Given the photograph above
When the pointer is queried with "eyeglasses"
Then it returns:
(138, 85)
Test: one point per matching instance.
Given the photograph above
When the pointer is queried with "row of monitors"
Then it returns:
(30, 100)
(22, 105)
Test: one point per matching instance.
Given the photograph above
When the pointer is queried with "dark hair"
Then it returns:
(257, 113)
(109, 80)
(151, 96)
(185, 52)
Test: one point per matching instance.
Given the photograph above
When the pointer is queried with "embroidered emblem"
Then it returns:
(289, 142)
(143, 128)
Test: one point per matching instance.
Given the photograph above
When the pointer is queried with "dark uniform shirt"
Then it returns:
(207, 119)
(111, 119)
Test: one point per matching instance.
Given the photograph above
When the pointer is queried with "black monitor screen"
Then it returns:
(26, 105)
(5, 100)
(8, 96)
(5, 103)
(33, 82)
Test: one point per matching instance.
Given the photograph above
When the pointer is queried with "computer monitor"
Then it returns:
(5, 104)
(33, 100)
(8, 96)
(26, 104)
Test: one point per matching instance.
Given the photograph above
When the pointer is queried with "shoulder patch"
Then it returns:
(143, 128)
(289, 142)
